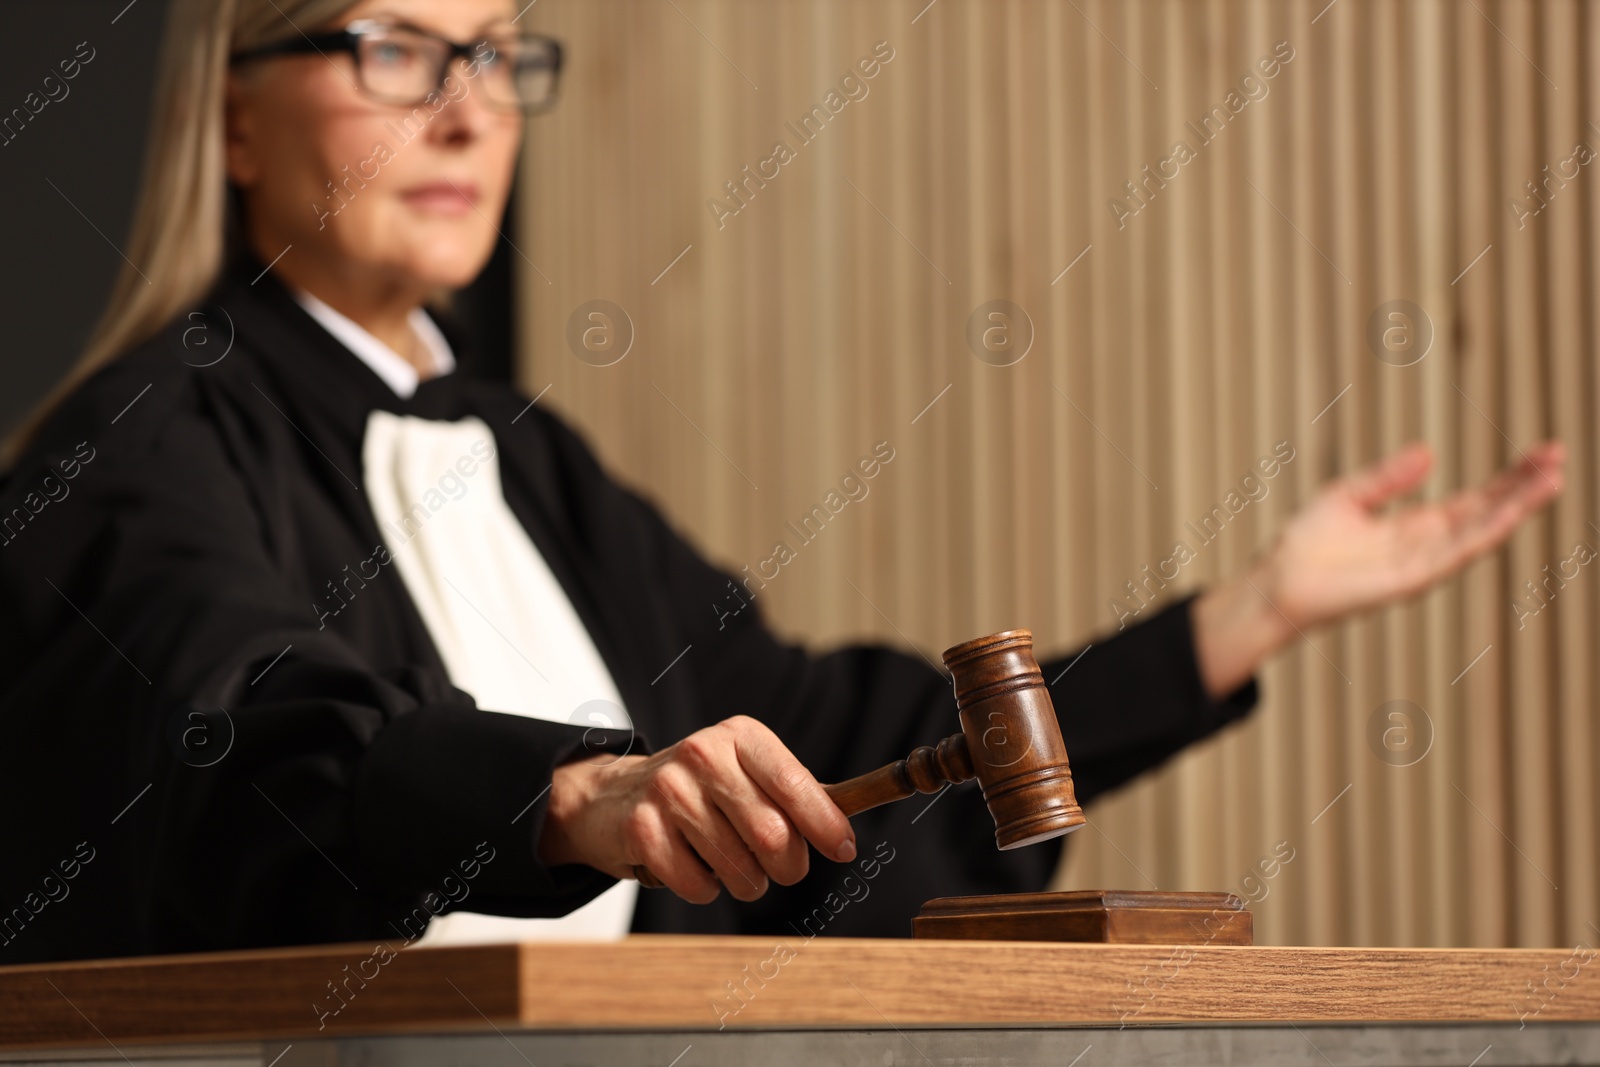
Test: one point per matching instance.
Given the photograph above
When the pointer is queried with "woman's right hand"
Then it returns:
(728, 805)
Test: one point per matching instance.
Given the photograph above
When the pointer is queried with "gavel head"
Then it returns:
(1014, 738)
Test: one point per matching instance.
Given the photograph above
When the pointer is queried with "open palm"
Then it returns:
(1340, 555)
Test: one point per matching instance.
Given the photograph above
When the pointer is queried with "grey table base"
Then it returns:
(1225, 1045)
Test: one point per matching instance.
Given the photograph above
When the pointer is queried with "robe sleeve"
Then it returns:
(1126, 701)
(244, 775)
(1127, 704)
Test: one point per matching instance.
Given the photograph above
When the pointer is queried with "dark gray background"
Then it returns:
(58, 268)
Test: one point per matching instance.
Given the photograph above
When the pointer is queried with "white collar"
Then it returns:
(385, 362)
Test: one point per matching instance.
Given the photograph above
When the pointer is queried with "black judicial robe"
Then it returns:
(197, 754)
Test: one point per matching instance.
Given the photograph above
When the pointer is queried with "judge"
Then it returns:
(319, 640)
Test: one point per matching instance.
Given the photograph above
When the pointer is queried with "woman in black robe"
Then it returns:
(228, 721)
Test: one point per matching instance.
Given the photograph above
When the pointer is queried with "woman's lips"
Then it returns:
(445, 198)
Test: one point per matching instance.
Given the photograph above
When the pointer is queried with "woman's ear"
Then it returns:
(238, 124)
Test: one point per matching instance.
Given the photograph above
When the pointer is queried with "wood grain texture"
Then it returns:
(1228, 314)
(1090, 915)
(691, 982)
(249, 995)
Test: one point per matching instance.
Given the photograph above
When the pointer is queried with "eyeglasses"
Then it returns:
(404, 66)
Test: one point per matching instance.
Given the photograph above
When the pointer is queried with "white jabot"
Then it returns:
(504, 626)
(385, 362)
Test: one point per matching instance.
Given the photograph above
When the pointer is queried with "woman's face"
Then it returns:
(390, 215)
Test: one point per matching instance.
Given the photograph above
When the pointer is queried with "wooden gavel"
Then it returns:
(1010, 740)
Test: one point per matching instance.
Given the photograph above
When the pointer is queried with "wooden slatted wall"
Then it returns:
(1173, 346)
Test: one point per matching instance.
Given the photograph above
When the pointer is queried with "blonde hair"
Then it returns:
(184, 220)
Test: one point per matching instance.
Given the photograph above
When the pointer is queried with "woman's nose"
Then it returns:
(467, 110)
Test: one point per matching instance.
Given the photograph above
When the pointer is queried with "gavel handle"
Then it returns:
(927, 770)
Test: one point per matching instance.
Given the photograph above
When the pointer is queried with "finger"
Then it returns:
(1548, 455)
(713, 837)
(1390, 477)
(1538, 476)
(1498, 506)
(1545, 466)
(660, 846)
(1541, 466)
(722, 847)
(1480, 519)
(1534, 490)
(764, 829)
(1541, 477)
(685, 873)
(793, 788)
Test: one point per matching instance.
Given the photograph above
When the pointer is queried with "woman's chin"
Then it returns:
(435, 278)
(436, 252)
(436, 268)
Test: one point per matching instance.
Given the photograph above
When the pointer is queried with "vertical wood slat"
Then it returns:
(1214, 322)
(1530, 822)
(1486, 586)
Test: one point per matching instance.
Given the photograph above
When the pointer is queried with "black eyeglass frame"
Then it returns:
(349, 39)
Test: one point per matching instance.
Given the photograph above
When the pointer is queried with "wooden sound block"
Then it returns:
(1108, 916)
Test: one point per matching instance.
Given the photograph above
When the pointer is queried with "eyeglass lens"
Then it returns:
(403, 67)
